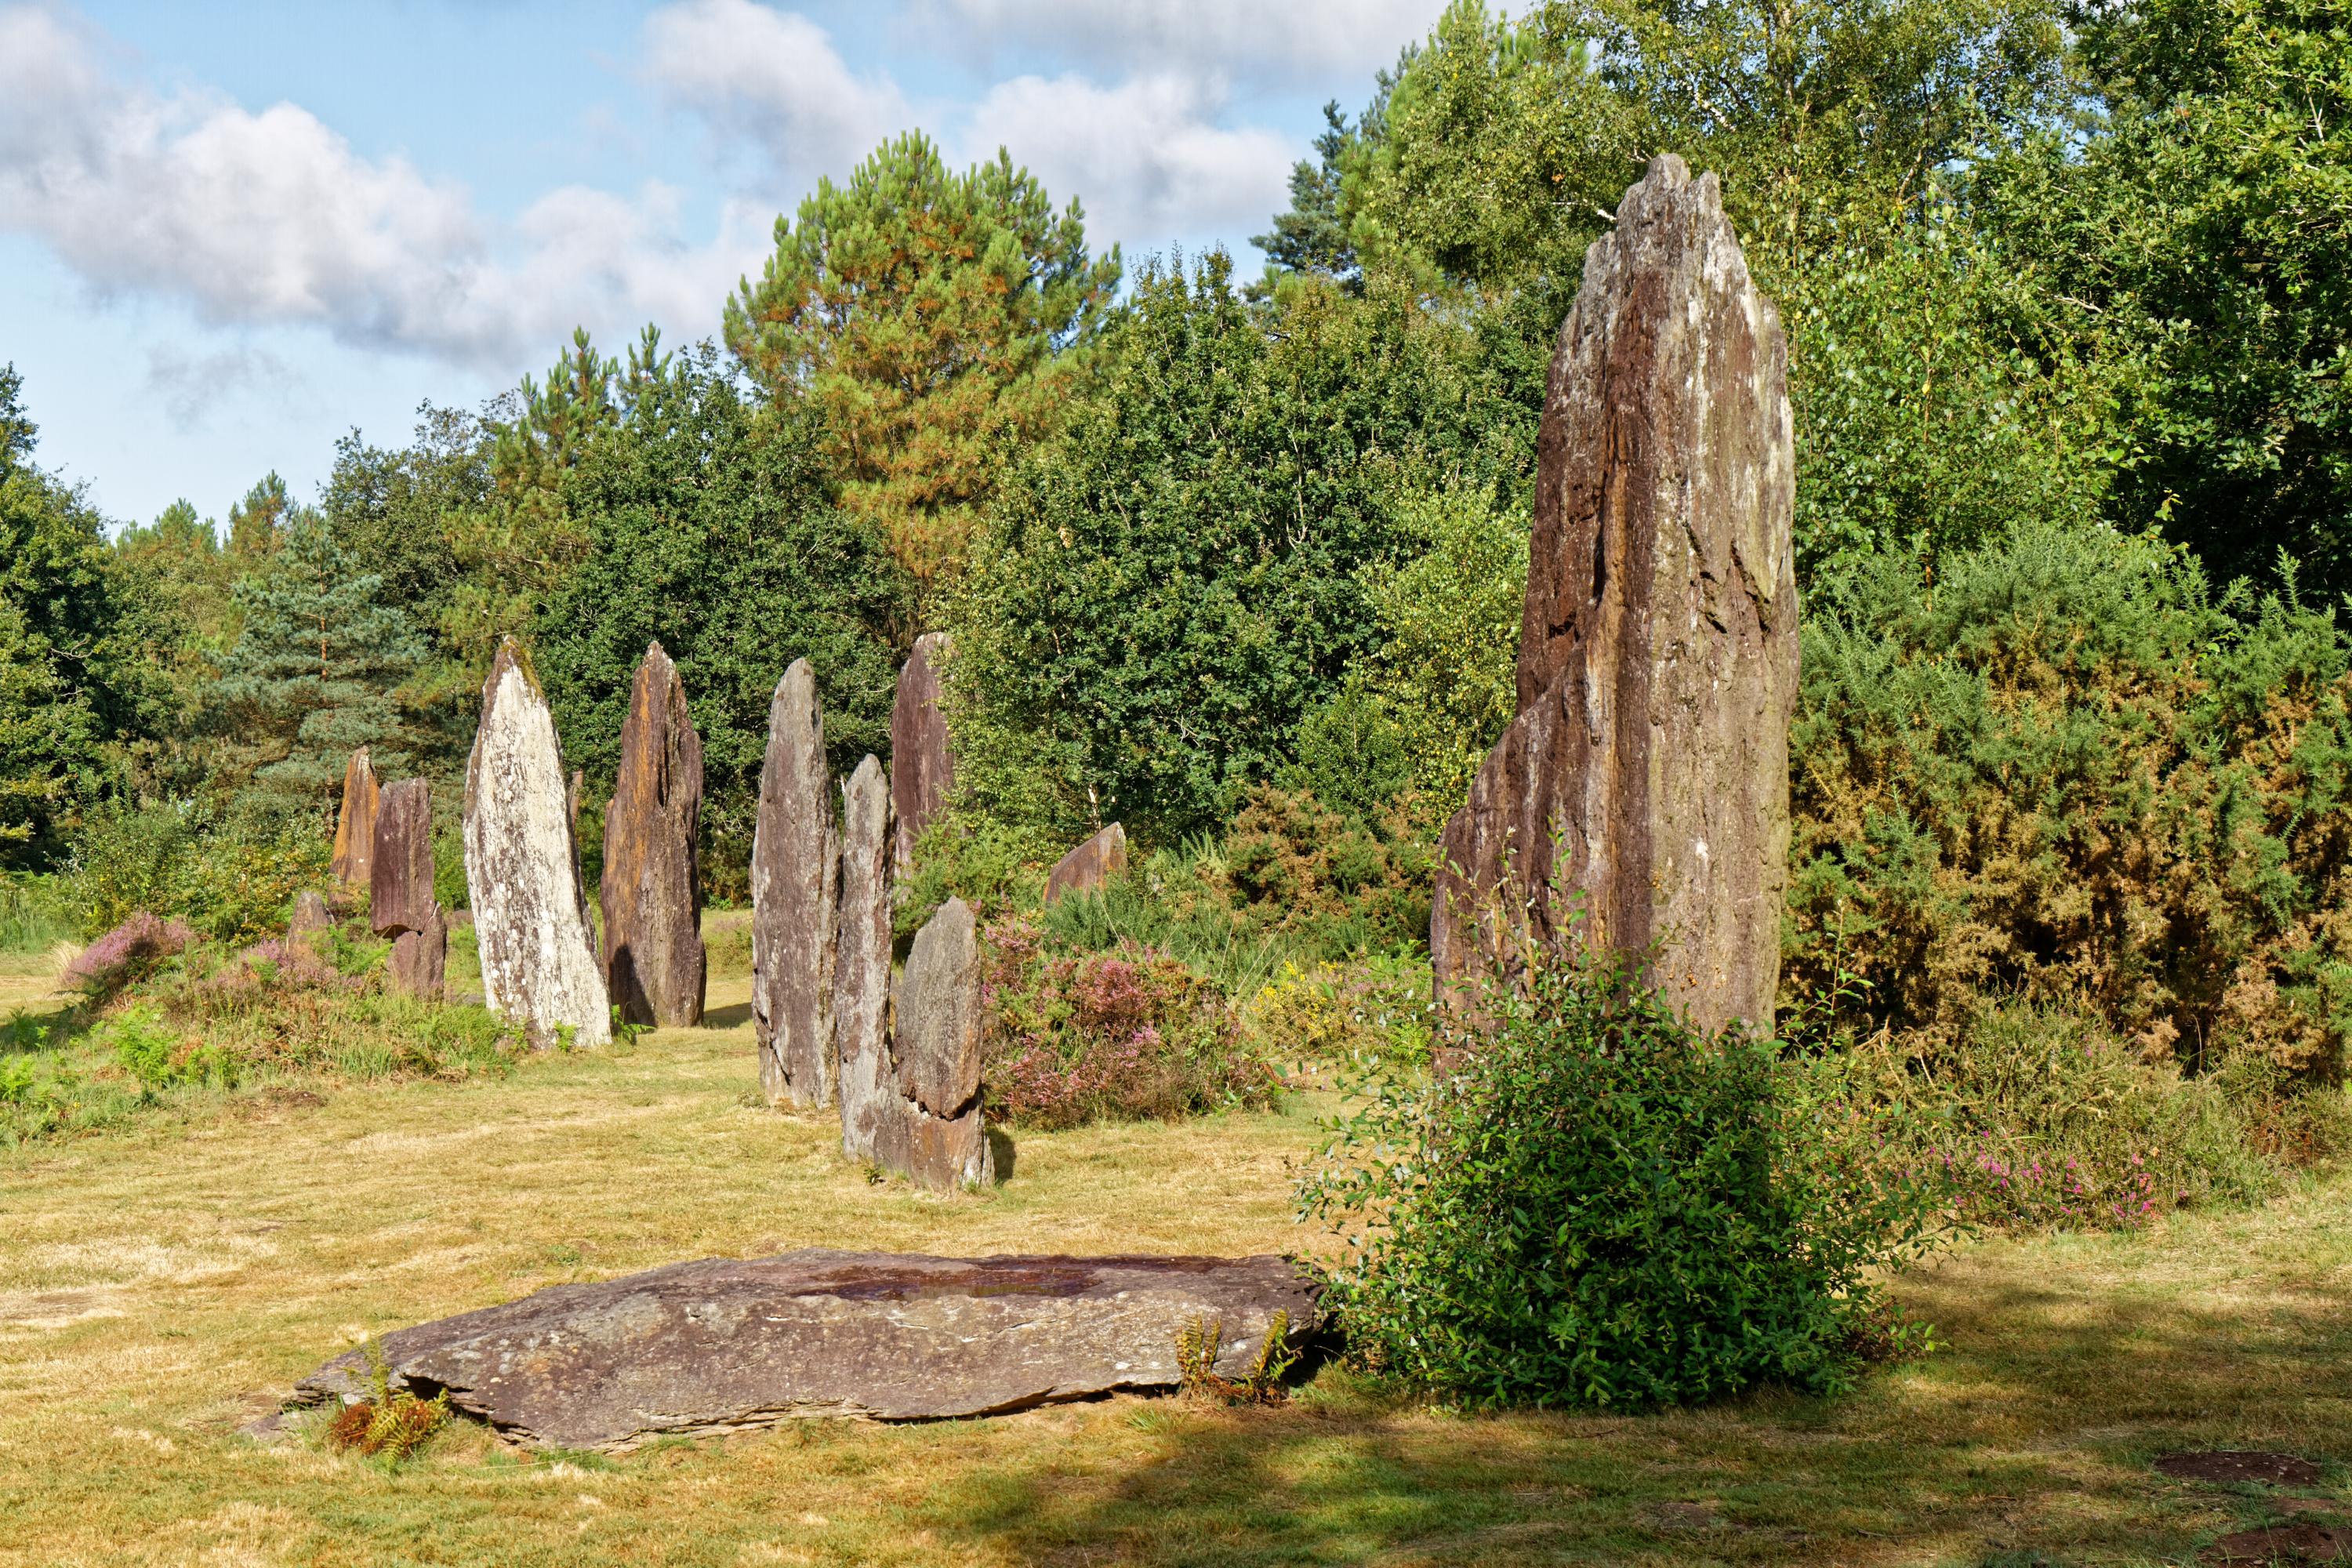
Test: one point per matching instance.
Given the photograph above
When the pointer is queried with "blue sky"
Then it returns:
(230, 233)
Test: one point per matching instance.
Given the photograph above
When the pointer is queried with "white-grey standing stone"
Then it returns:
(795, 870)
(522, 869)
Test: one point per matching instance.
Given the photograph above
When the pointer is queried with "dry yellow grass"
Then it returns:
(159, 1287)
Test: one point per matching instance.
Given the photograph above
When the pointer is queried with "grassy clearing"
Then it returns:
(158, 1285)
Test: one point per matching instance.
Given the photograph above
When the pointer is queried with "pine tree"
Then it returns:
(920, 312)
(256, 525)
(315, 671)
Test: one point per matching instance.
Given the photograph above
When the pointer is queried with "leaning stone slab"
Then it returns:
(1647, 774)
(1085, 869)
(936, 1132)
(725, 1344)
(861, 975)
(795, 868)
(922, 765)
(651, 891)
(522, 869)
(355, 822)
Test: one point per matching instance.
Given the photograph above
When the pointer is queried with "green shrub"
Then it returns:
(158, 1057)
(1600, 1206)
(172, 859)
(2063, 771)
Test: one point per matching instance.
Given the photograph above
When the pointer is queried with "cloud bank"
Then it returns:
(269, 217)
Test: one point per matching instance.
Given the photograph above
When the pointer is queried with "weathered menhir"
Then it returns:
(651, 894)
(1647, 774)
(795, 908)
(522, 869)
(401, 904)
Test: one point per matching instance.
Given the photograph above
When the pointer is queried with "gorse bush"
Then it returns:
(2063, 771)
(1599, 1205)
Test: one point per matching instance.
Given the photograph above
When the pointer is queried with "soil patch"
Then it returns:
(2240, 1465)
(2284, 1543)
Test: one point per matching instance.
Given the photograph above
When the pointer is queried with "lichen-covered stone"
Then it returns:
(727, 1343)
(922, 764)
(861, 976)
(795, 866)
(1085, 869)
(355, 822)
(522, 869)
(651, 891)
(936, 1133)
(1657, 667)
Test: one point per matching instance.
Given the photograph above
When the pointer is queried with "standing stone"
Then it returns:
(310, 914)
(796, 862)
(419, 963)
(936, 1134)
(399, 890)
(1085, 869)
(1657, 667)
(522, 868)
(356, 824)
(861, 976)
(651, 891)
(922, 767)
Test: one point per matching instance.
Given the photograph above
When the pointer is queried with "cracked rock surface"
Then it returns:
(726, 1343)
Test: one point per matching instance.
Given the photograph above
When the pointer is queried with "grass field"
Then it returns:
(160, 1286)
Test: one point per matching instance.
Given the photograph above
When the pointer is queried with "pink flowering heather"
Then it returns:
(126, 952)
(1082, 1037)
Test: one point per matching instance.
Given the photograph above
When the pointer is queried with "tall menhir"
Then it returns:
(1646, 777)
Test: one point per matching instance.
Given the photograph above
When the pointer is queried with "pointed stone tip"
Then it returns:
(1668, 169)
(868, 767)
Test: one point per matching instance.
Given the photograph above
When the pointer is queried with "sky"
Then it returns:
(231, 234)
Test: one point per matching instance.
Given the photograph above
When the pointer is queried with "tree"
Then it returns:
(1171, 585)
(314, 673)
(174, 580)
(921, 312)
(71, 689)
(257, 524)
(1312, 237)
(2199, 234)
(709, 529)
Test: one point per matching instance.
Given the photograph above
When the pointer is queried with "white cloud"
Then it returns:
(273, 218)
(1143, 156)
(1285, 40)
(770, 79)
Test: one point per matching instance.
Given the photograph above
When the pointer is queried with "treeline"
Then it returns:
(2049, 272)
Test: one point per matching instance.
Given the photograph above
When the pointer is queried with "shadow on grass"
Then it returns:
(2031, 1436)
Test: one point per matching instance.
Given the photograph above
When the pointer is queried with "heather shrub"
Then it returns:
(2032, 1116)
(1131, 1034)
(2063, 770)
(1601, 1205)
(124, 955)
